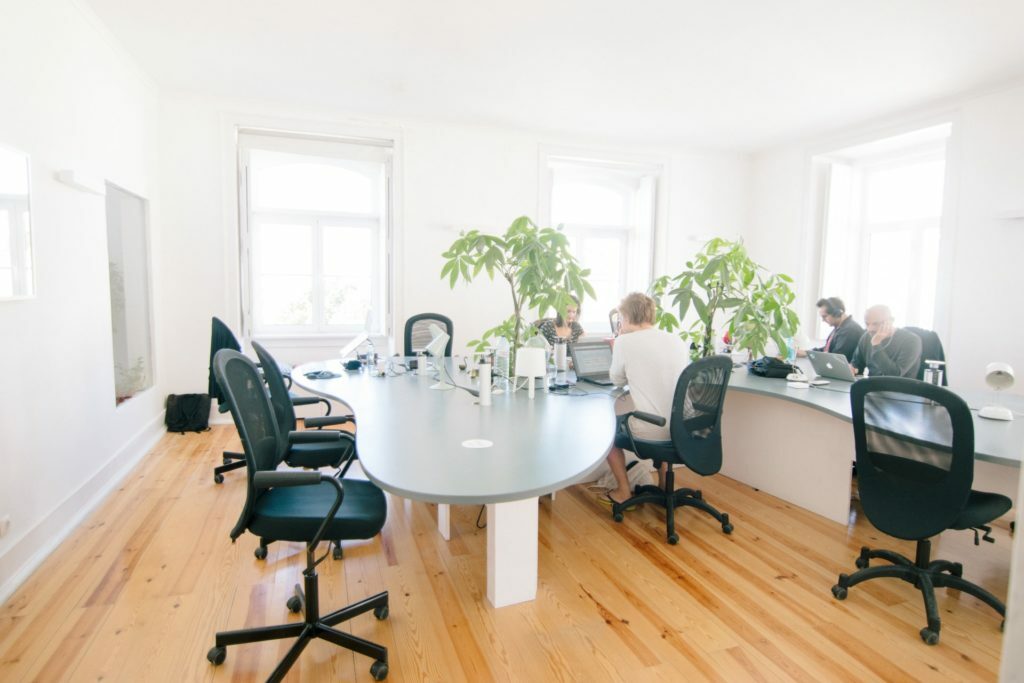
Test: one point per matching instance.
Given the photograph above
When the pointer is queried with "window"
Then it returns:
(128, 260)
(315, 234)
(607, 210)
(882, 226)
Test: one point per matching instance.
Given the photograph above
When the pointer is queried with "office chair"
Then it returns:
(915, 465)
(296, 506)
(696, 429)
(931, 349)
(417, 332)
(221, 337)
(311, 449)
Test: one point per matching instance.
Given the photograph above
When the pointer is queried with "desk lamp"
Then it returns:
(530, 363)
(998, 376)
(435, 349)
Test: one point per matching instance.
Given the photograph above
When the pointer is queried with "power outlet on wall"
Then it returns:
(5, 525)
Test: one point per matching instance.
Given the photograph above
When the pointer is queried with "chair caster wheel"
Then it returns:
(218, 478)
(217, 655)
(379, 670)
(336, 553)
(727, 528)
(839, 592)
(673, 539)
(260, 552)
(294, 604)
(381, 612)
(617, 516)
(861, 562)
(929, 636)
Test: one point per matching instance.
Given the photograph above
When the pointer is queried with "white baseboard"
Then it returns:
(29, 551)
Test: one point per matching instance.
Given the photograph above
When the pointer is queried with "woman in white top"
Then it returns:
(650, 361)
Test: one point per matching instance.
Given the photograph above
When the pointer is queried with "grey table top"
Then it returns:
(411, 437)
(994, 441)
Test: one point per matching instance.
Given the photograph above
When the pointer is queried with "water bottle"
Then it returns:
(501, 357)
(790, 350)
(485, 383)
(371, 354)
(560, 348)
(933, 373)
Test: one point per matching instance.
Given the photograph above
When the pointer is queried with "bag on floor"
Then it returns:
(187, 413)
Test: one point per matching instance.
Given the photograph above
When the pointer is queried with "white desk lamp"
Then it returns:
(435, 349)
(530, 363)
(998, 376)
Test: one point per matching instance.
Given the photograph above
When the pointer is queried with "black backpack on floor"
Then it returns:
(187, 413)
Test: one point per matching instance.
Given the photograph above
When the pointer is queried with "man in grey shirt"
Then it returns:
(885, 350)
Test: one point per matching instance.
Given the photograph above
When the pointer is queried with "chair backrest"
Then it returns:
(915, 455)
(255, 420)
(417, 332)
(931, 349)
(221, 337)
(613, 321)
(284, 410)
(696, 424)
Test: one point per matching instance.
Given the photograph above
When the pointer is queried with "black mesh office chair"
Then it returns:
(915, 466)
(296, 506)
(311, 449)
(417, 332)
(221, 337)
(696, 429)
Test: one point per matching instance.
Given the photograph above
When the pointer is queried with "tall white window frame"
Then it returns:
(848, 229)
(626, 231)
(370, 157)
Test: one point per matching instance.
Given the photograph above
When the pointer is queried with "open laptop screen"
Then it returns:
(591, 360)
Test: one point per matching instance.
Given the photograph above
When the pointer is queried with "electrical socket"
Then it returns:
(5, 525)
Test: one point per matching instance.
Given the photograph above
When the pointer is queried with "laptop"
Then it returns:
(591, 360)
(831, 365)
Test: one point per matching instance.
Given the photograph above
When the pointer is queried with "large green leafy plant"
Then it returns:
(752, 304)
(541, 273)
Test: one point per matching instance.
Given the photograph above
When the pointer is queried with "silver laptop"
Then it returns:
(831, 365)
(592, 360)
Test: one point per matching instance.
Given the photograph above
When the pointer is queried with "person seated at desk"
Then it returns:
(885, 350)
(650, 361)
(566, 328)
(845, 331)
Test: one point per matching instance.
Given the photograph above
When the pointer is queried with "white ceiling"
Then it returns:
(731, 74)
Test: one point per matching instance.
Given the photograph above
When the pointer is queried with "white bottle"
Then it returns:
(501, 347)
(485, 383)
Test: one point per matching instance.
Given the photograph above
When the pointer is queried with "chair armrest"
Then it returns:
(313, 436)
(265, 480)
(327, 421)
(647, 417)
(304, 400)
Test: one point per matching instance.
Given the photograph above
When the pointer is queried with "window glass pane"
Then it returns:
(589, 204)
(603, 255)
(889, 273)
(349, 256)
(284, 249)
(5, 239)
(923, 314)
(905, 192)
(284, 300)
(282, 181)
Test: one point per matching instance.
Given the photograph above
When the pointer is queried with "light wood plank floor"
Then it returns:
(137, 593)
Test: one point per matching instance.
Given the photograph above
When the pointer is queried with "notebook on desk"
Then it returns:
(831, 365)
(592, 361)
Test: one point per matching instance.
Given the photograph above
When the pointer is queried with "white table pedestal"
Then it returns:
(512, 552)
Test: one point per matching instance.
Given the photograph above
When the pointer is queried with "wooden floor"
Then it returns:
(138, 592)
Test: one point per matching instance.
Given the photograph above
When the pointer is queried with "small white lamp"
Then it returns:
(435, 349)
(998, 376)
(530, 364)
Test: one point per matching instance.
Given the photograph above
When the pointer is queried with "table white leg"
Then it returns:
(512, 552)
(444, 520)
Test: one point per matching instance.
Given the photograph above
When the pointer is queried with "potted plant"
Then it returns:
(536, 263)
(722, 280)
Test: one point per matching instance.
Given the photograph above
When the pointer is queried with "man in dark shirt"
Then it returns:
(885, 350)
(845, 331)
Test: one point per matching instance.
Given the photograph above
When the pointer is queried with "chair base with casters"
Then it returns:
(307, 600)
(670, 500)
(925, 574)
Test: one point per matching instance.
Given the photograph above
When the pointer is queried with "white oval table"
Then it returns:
(444, 447)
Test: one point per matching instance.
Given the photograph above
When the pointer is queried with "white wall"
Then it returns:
(979, 318)
(450, 178)
(70, 100)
